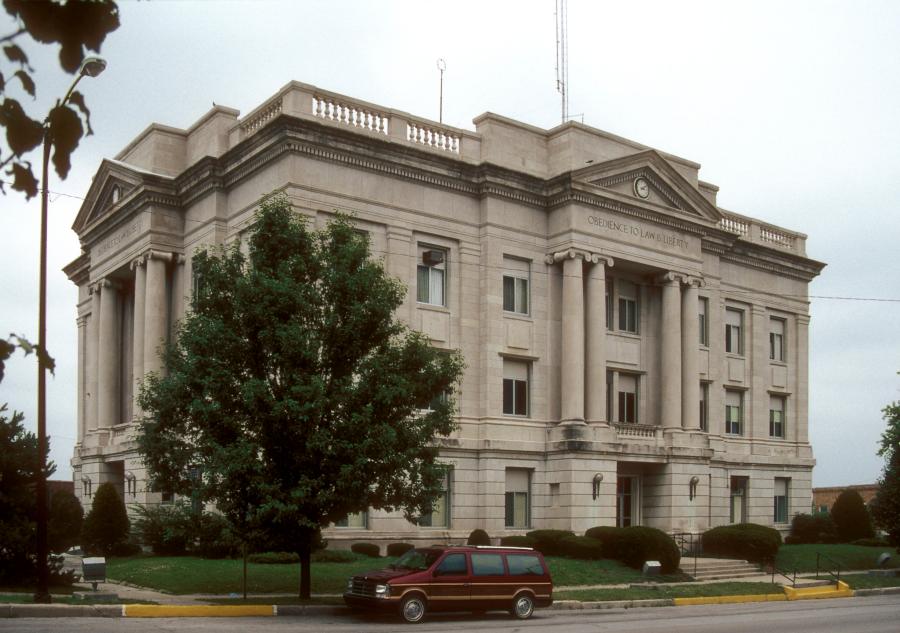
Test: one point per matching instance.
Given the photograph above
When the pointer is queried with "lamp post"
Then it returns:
(91, 67)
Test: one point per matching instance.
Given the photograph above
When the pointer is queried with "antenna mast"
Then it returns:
(562, 56)
(442, 66)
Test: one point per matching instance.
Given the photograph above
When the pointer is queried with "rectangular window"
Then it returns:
(704, 406)
(627, 398)
(776, 339)
(440, 512)
(627, 489)
(628, 307)
(704, 323)
(734, 327)
(431, 277)
(734, 413)
(516, 275)
(610, 396)
(609, 304)
(515, 387)
(524, 565)
(776, 416)
(518, 498)
(358, 520)
(782, 485)
(487, 565)
(738, 499)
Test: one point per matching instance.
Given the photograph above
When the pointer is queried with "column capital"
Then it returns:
(568, 253)
(164, 256)
(139, 261)
(803, 319)
(690, 280)
(108, 283)
(80, 322)
(670, 278)
(597, 258)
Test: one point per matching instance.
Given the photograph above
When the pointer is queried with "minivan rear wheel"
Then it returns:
(523, 606)
(413, 609)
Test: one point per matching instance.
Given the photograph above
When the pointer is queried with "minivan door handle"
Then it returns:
(465, 584)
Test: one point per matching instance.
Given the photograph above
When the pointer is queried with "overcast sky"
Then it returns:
(792, 108)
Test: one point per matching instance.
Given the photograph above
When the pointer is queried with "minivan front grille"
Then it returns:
(363, 587)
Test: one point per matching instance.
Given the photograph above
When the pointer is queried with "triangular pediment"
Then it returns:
(649, 179)
(114, 185)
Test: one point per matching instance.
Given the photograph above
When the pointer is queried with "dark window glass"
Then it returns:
(487, 565)
(524, 565)
(452, 565)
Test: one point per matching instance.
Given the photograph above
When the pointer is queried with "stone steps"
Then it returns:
(717, 568)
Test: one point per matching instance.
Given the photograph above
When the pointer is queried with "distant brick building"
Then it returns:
(824, 498)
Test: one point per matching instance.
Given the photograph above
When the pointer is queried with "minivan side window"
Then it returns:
(452, 565)
(487, 565)
(524, 565)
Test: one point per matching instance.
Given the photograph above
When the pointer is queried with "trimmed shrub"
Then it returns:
(517, 540)
(215, 538)
(637, 544)
(851, 517)
(167, 529)
(876, 541)
(274, 558)
(65, 521)
(366, 549)
(479, 537)
(333, 556)
(106, 525)
(606, 534)
(812, 528)
(581, 547)
(756, 543)
(398, 549)
(547, 541)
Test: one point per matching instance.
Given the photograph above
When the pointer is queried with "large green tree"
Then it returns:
(886, 505)
(292, 395)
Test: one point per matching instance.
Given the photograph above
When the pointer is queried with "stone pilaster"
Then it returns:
(572, 363)
(690, 345)
(108, 366)
(140, 291)
(801, 423)
(81, 322)
(156, 310)
(92, 349)
(595, 338)
(670, 357)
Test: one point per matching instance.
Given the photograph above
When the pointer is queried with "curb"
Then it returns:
(574, 605)
(764, 597)
(62, 611)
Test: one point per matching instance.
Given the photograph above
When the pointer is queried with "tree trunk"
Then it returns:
(304, 551)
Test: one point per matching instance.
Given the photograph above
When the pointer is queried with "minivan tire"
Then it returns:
(523, 606)
(413, 609)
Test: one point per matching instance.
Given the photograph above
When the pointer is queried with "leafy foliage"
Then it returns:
(65, 521)
(886, 505)
(812, 528)
(478, 537)
(851, 518)
(636, 545)
(581, 547)
(517, 540)
(106, 526)
(289, 378)
(366, 549)
(396, 550)
(75, 25)
(547, 541)
(753, 542)
(9, 346)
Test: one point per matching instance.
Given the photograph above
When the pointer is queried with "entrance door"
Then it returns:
(628, 500)
(738, 499)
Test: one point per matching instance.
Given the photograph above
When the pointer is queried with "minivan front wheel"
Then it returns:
(413, 608)
(523, 606)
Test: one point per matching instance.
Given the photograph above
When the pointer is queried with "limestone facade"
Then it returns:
(636, 354)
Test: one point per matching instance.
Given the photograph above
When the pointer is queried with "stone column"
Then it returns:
(801, 408)
(92, 351)
(670, 357)
(595, 335)
(156, 312)
(81, 322)
(572, 362)
(178, 292)
(108, 366)
(140, 291)
(690, 345)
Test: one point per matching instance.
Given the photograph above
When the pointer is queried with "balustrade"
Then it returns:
(348, 113)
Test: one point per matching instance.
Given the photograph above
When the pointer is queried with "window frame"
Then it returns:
(446, 496)
(781, 503)
(734, 334)
(740, 413)
(627, 399)
(703, 318)
(344, 524)
(518, 390)
(518, 272)
(704, 406)
(514, 495)
(782, 400)
(443, 268)
(777, 340)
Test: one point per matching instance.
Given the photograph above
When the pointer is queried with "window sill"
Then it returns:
(778, 363)
(516, 416)
(733, 355)
(623, 333)
(518, 316)
(433, 307)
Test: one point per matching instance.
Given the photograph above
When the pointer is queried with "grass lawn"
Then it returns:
(803, 557)
(865, 581)
(677, 591)
(279, 600)
(28, 598)
(567, 572)
(187, 574)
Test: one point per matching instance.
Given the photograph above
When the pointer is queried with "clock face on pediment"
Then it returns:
(642, 185)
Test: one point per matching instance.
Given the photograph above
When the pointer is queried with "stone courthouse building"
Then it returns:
(636, 355)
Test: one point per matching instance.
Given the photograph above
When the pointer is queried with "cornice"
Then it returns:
(79, 269)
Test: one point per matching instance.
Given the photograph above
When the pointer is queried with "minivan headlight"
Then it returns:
(350, 585)
(382, 591)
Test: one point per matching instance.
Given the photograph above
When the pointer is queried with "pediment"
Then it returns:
(664, 185)
(114, 184)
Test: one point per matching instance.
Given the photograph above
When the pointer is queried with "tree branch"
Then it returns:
(12, 36)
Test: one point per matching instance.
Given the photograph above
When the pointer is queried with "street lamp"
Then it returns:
(90, 67)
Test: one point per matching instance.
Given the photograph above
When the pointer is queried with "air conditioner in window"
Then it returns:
(432, 258)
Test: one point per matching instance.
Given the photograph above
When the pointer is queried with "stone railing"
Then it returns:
(305, 101)
(646, 431)
(349, 113)
(762, 233)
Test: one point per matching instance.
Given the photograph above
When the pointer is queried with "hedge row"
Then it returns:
(636, 545)
(755, 543)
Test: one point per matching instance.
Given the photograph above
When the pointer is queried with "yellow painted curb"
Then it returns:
(766, 597)
(196, 611)
(817, 593)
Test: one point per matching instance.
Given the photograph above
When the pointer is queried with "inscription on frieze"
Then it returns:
(118, 238)
(636, 231)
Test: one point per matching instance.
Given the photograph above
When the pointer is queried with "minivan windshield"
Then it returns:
(417, 559)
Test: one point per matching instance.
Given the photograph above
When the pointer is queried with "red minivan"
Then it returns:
(456, 578)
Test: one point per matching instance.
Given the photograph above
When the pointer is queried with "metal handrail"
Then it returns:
(837, 565)
(693, 546)
(784, 574)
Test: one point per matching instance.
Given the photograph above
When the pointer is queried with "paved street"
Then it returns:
(876, 614)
